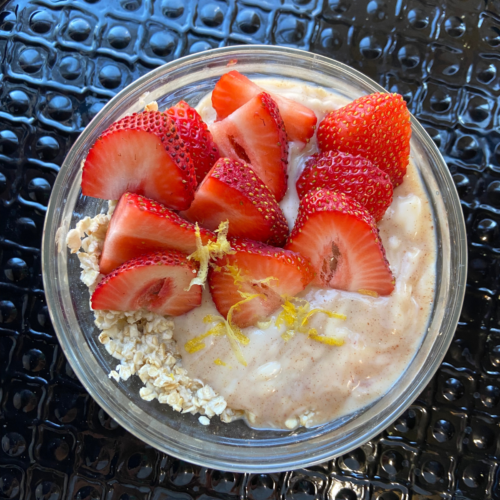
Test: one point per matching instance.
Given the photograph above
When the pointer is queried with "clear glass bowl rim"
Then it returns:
(267, 457)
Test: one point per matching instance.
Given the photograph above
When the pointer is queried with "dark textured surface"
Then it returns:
(61, 60)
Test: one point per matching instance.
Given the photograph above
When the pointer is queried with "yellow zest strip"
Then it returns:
(196, 344)
(224, 327)
(288, 317)
(371, 293)
(211, 251)
(323, 339)
(328, 313)
(235, 272)
(219, 362)
(234, 333)
(297, 317)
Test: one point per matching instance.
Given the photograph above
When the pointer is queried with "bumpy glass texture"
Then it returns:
(442, 56)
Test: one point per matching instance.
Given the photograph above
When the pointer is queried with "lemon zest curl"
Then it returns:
(224, 327)
(238, 278)
(213, 250)
(296, 317)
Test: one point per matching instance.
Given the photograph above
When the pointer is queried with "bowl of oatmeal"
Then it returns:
(291, 403)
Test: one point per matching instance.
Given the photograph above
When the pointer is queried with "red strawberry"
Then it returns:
(194, 132)
(255, 134)
(284, 273)
(140, 226)
(376, 126)
(234, 89)
(156, 282)
(233, 192)
(142, 154)
(340, 239)
(352, 175)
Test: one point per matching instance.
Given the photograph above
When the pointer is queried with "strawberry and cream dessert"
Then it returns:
(268, 256)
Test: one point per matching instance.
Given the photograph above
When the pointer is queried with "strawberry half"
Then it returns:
(376, 126)
(341, 240)
(156, 282)
(232, 191)
(255, 134)
(140, 226)
(352, 175)
(234, 89)
(194, 132)
(142, 154)
(256, 268)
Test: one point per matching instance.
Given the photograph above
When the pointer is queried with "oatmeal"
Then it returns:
(293, 380)
(142, 341)
(286, 381)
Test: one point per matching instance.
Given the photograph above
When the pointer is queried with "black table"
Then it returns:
(61, 60)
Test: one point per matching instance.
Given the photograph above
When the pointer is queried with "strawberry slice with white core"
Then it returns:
(340, 239)
(256, 268)
(142, 154)
(140, 225)
(156, 282)
(233, 192)
(255, 134)
(233, 90)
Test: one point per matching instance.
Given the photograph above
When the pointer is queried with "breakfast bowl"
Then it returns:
(237, 446)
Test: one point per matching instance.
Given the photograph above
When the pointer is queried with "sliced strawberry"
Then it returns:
(340, 239)
(256, 268)
(233, 192)
(255, 134)
(156, 282)
(194, 132)
(376, 126)
(142, 154)
(350, 174)
(234, 89)
(140, 226)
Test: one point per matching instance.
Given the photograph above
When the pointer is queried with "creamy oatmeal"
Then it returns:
(298, 382)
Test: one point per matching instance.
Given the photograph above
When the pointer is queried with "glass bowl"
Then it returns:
(235, 446)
